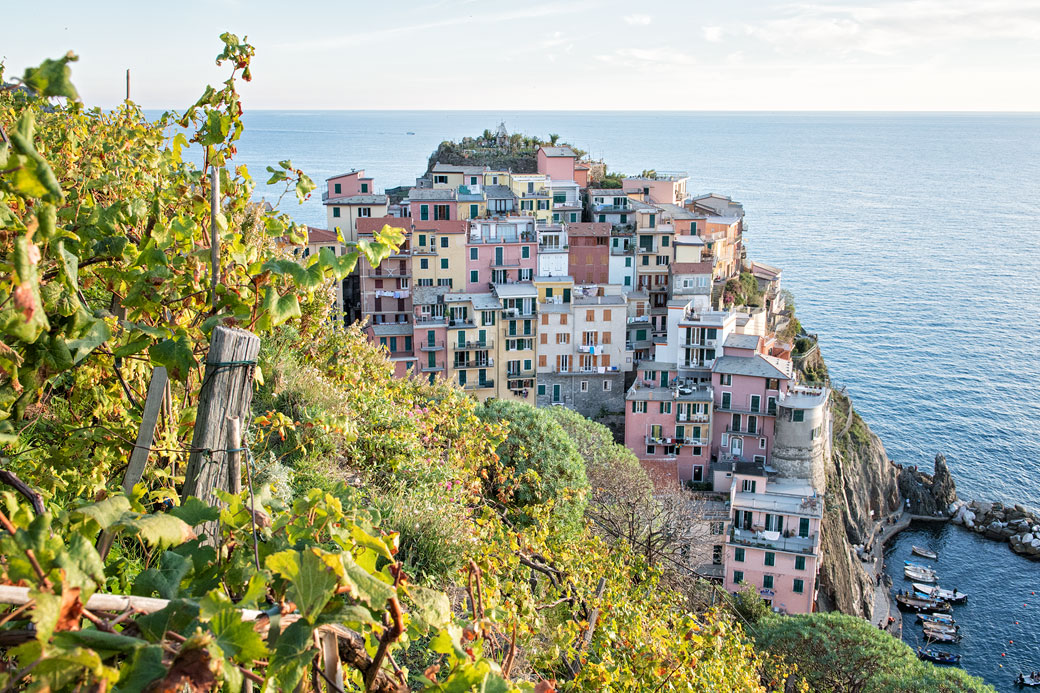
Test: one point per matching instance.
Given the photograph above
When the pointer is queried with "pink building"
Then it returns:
(433, 204)
(588, 257)
(557, 162)
(348, 185)
(774, 540)
(668, 425)
(501, 250)
(747, 387)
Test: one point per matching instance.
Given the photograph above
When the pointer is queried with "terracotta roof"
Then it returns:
(316, 235)
(691, 268)
(441, 226)
(589, 228)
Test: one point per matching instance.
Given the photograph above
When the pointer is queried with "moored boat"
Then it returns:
(953, 596)
(919, 574)
(938, 656)
(1029, 680)
(937, 636)
(933, 627)
(908, 602)
(924, 553)
(946, 619)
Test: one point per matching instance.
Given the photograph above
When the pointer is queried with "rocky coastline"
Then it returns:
(935, 495)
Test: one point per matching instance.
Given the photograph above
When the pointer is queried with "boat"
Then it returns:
(938, 656)
(936, 636)
(908, 602)
(409, 133)
(1029, 680)
(923, 552)
(946, 619)
(949, 629)
(935, 592)
(917, 574)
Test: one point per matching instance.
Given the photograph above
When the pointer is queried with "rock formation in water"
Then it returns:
(933, 494)
(1013, 524)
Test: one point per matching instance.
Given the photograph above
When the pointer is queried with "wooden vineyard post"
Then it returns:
(234, 454)
(145, 435)
(227, 391)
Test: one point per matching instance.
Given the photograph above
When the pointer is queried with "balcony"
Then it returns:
(431, 369)
(762, 540)
(702, 344)
(475, 363)
(431, 346)
(430, 320)
(761, 411)
(522, 373)
(479, 385)
(388, 274)
(646, 249)
(424, 250)
(587, 348)
(693, 418)
(693, 363)
(553, 248)
(462, 322)
(512, 238)
(738, 432)
(666, 440)
(633, 319)
(513, 313)
(507, 264)
(479, 344)
(620, 251)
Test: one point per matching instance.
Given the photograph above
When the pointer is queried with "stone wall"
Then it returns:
(603, 406)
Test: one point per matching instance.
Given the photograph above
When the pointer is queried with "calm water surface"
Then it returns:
(911, 244)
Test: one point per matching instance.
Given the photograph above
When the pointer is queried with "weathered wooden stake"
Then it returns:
(145, 435)
(128, 84)
(227, 391)
(234, 454)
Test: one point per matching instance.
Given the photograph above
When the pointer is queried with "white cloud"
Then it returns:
(638, 19)
(712, 33)
(642, 57)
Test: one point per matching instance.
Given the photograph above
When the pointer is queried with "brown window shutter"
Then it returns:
(606, 338)
(605, 361)
(541, 361)
(545, 318)
(606, 315)
(563, 318)
(590, 315)
(545, 338)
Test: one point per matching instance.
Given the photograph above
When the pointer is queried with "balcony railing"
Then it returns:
(646, 249)
(462, 322)
(518, 312)
(745, 432)
(587, 348)
(511, 238)
(522, 373)
(638, 318)
(429, 319)
(553, 248)
(693, 418)
(432, 369)
(681, 441)
(475, 363)
(761, 411)
(431, 346)
(508, 264)
(702, 344)
(389, 274)
(757, 539)
(479, 344)
(479, 385)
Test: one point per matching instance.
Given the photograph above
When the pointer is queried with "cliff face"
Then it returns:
(860, 479)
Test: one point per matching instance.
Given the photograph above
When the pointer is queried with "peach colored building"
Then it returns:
(668, 188)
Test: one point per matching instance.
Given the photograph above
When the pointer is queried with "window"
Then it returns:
(718, 529)
(749, 485)
(527, 364)
(799, 585)
(803, 527)
(338, 187)
(738, 576)
(767, 582)
(725, 379)
(770, 558)
(488, 317)
(761, 443)
(798, 415)
(444, 241)
(638, 407)
(799, 562)
(606, 386)
(666, 408)
(541, 390)
(424, 263)
(583, 386)
(756, 403)
(738, 555)
(335, 212)
(664, 241)
(444, 263)
(472, 180)
(474, 276)
(726, 398)
(628, 262)
(474, 211)
(364, 187)
(440, 179)
(424, 212)
(771, 406)
(474, 253)
(542, 360)
(651, 450)
(525, 251)
(365, 212)
(772, 384)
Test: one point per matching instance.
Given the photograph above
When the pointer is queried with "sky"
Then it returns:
(914, 55)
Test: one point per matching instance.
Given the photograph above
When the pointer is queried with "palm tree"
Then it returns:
(553, 138)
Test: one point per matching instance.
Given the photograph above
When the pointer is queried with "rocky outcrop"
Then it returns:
(861, 490)
(1013, 524)
(931, 495)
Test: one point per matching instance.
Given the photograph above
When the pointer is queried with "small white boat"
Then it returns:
(918, 574)
(1030, 680)
(946, 619)
(935, 592)
(926, 553)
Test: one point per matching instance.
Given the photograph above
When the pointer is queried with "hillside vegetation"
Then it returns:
(430, 542)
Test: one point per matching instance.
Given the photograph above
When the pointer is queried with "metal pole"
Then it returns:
(214, 241)
(128, 84)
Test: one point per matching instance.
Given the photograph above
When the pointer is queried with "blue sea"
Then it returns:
(911, 243)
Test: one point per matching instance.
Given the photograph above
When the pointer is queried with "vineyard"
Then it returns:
(204, 485)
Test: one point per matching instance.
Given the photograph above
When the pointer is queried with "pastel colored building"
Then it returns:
(566, 201)
(668, 425)
(433, 204)
(589, 253)
(664, 187)
(500, 250)
(553, 259)
(774, 539)
(349, 197)
(557, 162)
(610, 206)
(452, 176)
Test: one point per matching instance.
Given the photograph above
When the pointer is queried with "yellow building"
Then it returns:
(451, 176)
(534, 195)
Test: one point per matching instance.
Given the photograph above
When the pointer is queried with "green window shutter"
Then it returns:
(339, 188)
(738, 555)
(474, 276)
(770, 558)
(738, 576)
(541, 389)
(474, 211)
(335, 212)
(444, 263)
(767, 582)
(527, 364)
(525, 251)
(548, 292)
(566, 295)
(799, 562)
(424, 212)
(799, 586)
(803, 527)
